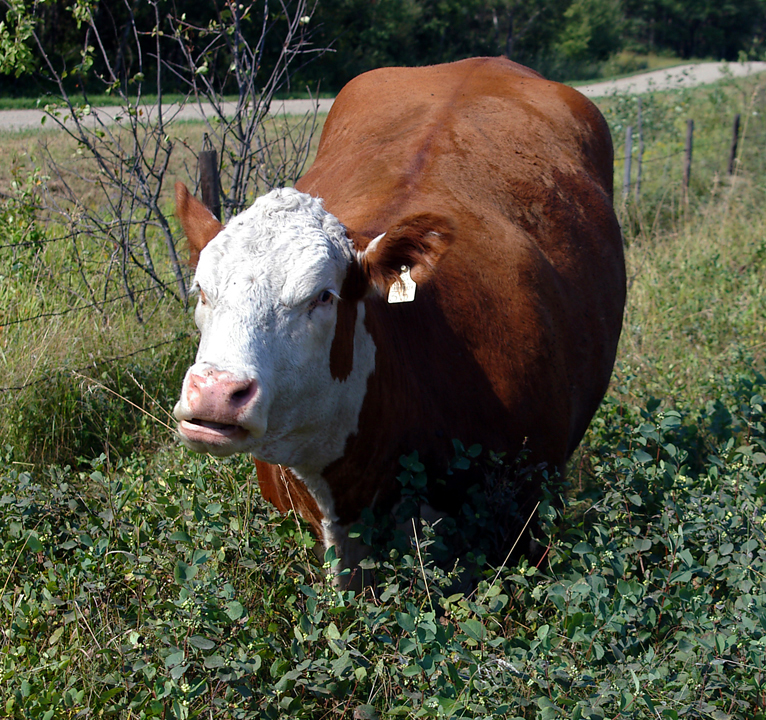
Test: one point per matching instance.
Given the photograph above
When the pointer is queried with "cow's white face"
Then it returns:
(269, 288)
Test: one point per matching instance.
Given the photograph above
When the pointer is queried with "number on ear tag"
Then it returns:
(403, 290)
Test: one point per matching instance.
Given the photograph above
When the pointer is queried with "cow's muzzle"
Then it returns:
(213, 410)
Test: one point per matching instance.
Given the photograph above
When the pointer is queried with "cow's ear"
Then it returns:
(199, 224)
(417, 243)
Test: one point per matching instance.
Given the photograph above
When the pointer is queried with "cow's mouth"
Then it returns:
(209, 432)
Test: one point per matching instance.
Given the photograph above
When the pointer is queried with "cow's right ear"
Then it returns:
(199, 224)
(416, 243)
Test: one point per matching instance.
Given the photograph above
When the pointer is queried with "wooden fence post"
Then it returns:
(688, 157)
(628, 155)
(209, 181)
(734, 143)
(640, 151)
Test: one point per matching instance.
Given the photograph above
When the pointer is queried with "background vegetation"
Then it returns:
(564, 39)
(139, 581)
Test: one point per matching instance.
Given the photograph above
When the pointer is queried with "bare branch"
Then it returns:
(121, 232)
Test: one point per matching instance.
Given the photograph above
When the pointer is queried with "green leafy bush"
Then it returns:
(167, 590)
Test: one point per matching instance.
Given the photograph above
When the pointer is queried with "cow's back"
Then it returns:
(397, 138)
(533, 288)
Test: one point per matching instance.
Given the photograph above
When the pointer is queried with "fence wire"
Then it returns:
(77, 308)
(709, 156)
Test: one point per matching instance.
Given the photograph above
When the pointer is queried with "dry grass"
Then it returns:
(28, 151)
(64, 314)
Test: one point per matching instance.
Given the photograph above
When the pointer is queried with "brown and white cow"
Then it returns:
(493, 187)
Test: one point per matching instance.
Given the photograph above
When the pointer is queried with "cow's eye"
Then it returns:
(202, 297)
(324, 298)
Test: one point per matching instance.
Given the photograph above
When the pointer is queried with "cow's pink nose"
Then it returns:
(218, 396)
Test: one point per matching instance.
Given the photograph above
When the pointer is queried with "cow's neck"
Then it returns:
(341, 421)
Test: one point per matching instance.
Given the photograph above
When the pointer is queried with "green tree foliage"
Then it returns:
(562, 38)
(721, 29)
(126, 28)
(363, 35)
(592, 31)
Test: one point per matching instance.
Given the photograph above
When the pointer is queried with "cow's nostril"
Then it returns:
(244, 394)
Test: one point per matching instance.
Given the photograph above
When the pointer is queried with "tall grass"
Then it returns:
(79, 370)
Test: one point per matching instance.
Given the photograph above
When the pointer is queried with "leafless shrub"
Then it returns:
(120, 224)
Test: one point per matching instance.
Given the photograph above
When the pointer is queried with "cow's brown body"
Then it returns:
(512, 338)
(494, 186)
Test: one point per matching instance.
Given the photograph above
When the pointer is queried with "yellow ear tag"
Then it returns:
(403, 290)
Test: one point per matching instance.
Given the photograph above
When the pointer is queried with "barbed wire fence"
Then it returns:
(716, 159)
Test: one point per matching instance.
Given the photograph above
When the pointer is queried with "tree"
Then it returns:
(365, 34)
(696, 28)
(592, 30)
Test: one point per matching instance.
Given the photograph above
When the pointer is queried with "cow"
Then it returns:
(449, 268)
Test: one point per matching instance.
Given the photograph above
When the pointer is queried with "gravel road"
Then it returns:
(677, 77)
(681, 76)
(26, 119)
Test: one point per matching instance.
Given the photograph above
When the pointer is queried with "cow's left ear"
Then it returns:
(418, 242)
(199, 224)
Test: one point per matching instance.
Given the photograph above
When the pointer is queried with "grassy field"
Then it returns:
(139, 581)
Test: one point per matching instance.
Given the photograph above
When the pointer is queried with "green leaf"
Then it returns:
(178, 671)
(200, 642)
(234, 610)
(331, 632)
(308, 591)
(671, 421)
(175, 658)
(406, 622)
(110, 693)
(474, 629)
(54, 638)
(642, 457)
(33, 542)
(214, 661)
(183, 572)
(648, 431)
(412, 670)
(181, 536)
(582, 548)
(648, 702)
(365, 712)
(341, 665)
(461, 463)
